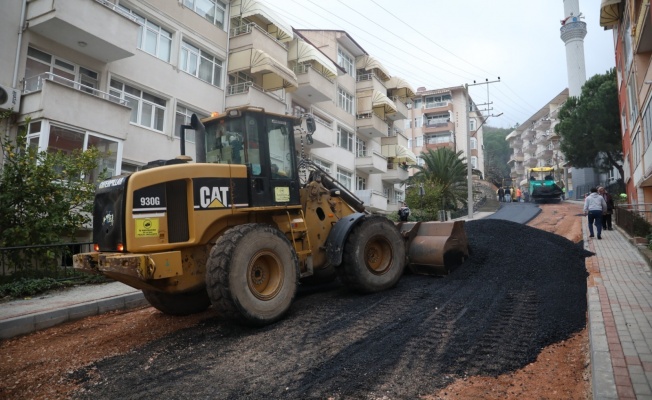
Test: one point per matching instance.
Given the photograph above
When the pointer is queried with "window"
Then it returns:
(474, 143)
(633, 106)
(418, 103)
(344, 139)
(420, 161)
(212, 10)
(344, 100)
(46, 136)
(437, 119)
(182, 117)
(474, 162)
(362, 184)
(345, 178)
(346, 61)
(322, 164)
(200, 64)
(419, 141)
(67, 73)
(152, 38)
(636, 148)
(146, 109)
(471, 124)
(418, 122)
(361, 147)
(407, 124)
(410, 143)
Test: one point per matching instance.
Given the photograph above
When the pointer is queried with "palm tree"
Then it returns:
(446, 170)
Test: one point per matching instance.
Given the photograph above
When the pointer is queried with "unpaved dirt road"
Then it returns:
(490, 321)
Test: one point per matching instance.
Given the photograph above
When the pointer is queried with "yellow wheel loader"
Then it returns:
(248, 221)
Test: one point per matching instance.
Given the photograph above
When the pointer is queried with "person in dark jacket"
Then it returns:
(501, 194)
(606, 218)
(403, 213)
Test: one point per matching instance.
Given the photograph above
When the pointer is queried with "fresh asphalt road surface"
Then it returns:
(521, 213)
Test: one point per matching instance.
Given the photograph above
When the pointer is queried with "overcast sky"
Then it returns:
(443, 43)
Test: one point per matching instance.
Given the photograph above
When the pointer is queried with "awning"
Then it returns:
(368, 63)
(302, 52)
(256, 10)
(380, 101)
(400, 87)
(275, 75)
(609, 12)
(399, 153)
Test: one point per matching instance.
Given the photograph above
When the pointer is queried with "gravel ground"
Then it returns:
(521, 290)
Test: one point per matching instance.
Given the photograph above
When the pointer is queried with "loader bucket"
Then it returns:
(434, 248)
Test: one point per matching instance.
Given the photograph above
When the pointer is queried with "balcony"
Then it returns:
(517, 157)
(436, 107)
(643, 30)
(94, 28)
(369, 81)
(373, 200)
(247, 93)
(395, 173)
(54, 97)
(252, 36)
(542, 124)
(547, 153)
(529, 134)
(401, 109)
(313, 86)
(438, 127)
(371, 163)
(435, 146)
(515, 144)
(371, 126)
(530, 147)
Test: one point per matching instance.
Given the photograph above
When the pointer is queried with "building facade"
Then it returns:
(124, 75)
(534, 143)
(446, 118)
(631, 23)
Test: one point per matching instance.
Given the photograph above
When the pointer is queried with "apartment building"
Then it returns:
(534, 143)
(124, 75)
(120, 77)
(631, 23)
(446, 118)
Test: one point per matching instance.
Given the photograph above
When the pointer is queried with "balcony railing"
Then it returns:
(322, 121)
(300, 69)
(437, 104)
(243, 87)
(35, 84)
(119, 10)
(248, 28)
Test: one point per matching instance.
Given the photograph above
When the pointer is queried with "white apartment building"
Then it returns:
(534, 143)
(124, 75)
(443, 118)
(120, 77)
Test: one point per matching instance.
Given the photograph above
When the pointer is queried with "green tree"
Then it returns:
(589, 125)
(445, 172)
(44, 197)
(497, 153)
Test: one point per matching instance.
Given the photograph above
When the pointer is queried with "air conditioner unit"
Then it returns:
(9, 98)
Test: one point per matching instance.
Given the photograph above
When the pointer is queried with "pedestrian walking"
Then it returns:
(594, 207)
(508, 196)
(501, 194)
(606, 218)
(518, 194)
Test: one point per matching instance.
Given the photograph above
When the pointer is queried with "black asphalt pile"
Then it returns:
(521, 290)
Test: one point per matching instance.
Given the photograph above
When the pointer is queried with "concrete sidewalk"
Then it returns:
(620, 317)
(43, 311)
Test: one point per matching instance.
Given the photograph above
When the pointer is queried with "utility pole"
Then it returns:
(469, 167)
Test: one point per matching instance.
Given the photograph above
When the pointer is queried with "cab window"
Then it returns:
(280, 149)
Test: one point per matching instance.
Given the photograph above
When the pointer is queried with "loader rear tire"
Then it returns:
(178, 303)
(252, 274)
(374, 256)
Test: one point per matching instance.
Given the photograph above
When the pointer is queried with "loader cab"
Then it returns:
(264, 142)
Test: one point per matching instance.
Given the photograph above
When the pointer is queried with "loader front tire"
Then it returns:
(252, 274)
(374, 256)
(178, 303)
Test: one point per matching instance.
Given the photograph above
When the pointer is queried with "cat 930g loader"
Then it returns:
(248, 221)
